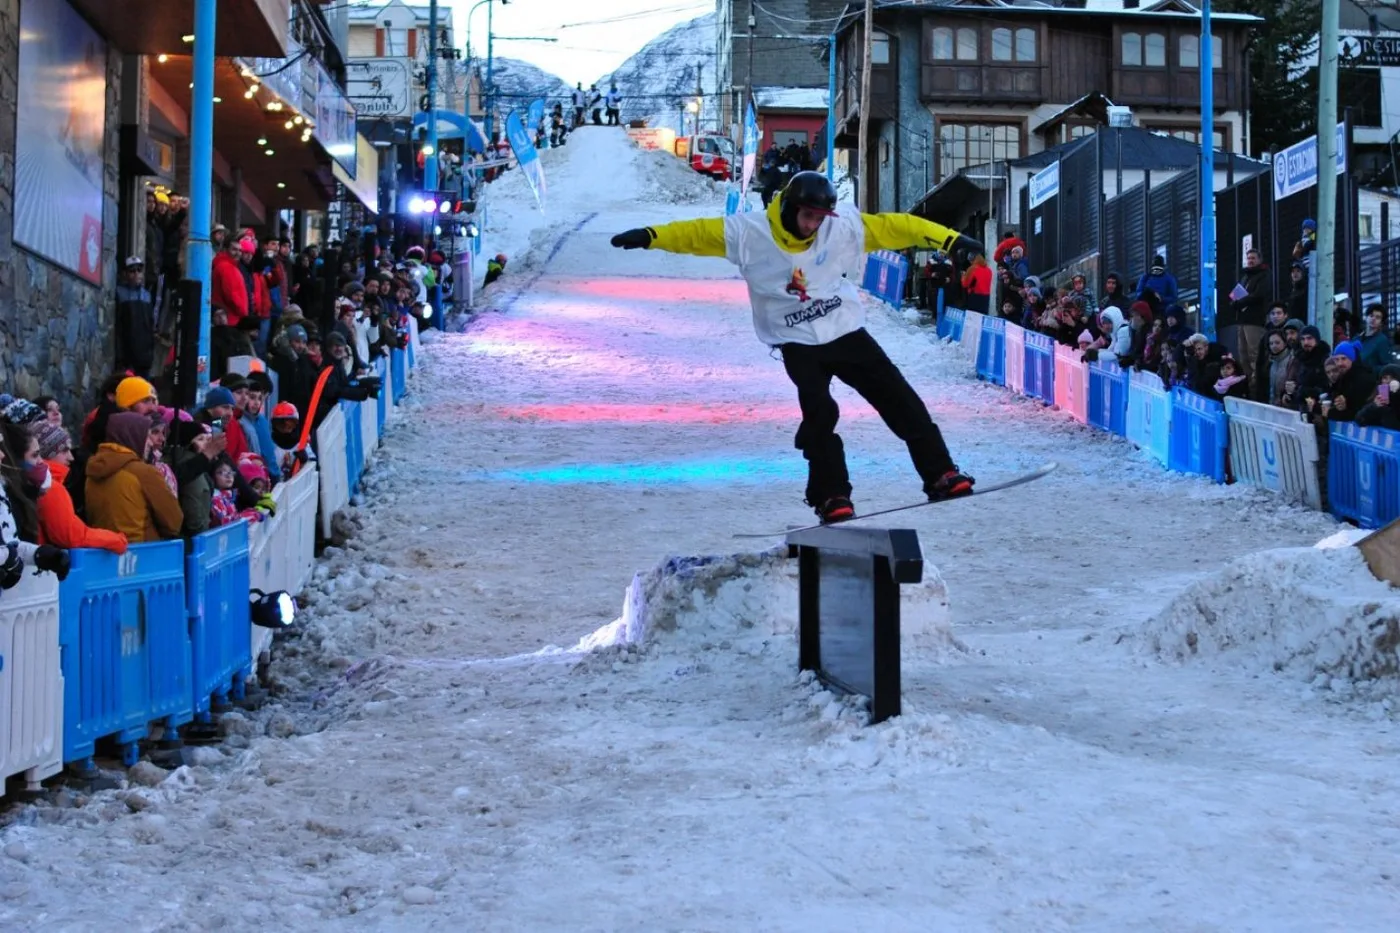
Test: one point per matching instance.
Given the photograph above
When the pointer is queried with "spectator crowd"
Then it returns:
(290, 338)
(1265, 351)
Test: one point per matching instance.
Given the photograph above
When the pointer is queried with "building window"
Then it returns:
(1366, 226)
(1192, 134)
(395, 41)
(1001, 45)
(1009, 45)
(964, 144)
(950, 44)
(942, 43)
(879, 49)
(1025, 45)
(1132, 48)
(1154, 50)
(1189, 52)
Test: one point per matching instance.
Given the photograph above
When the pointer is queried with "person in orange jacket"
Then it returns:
(59, 524)
(977, 285)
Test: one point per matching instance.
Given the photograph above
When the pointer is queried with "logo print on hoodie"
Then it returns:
(798, 285)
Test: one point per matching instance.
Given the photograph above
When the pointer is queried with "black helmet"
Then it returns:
(806, 189)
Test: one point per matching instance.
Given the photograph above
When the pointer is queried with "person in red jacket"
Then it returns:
(59, 524)
(977, 284)
(234, 287)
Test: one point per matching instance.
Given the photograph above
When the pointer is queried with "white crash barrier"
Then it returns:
(972, 334)
(369, 428)
(1274, 448)
(282, 549)
(1016, 358)
(31, 681)
(335, 479)
(1072, 383)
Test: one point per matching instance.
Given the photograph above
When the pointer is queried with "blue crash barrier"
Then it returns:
(381, 369)
(124, 647)
(354, 444)
(1108, 397)
(950, 324)
(884, 276)
(1363, 474)
(216, 592)
(398, 368)
(1199, 435)
(1149, 417)
(1040, 367)
(991, 351)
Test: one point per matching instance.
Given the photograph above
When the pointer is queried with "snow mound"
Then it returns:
(601, 166)
(1316, 613)
(693, 601)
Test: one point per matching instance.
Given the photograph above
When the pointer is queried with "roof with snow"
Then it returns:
(790, 98)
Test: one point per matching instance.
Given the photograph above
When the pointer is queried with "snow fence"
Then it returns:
(162, 636)
(1237, 441)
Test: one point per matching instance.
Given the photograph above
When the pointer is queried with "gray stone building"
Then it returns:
(771, 44)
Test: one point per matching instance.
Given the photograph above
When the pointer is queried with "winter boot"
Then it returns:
(836, 509)
(951, 485)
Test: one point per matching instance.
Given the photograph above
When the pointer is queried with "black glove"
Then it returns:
(48, 557)
(635, 239)
(11, 565)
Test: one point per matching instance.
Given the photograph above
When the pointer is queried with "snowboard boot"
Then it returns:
(951, 485)
(836, 509)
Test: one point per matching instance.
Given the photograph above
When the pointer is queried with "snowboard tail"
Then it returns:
(1011, 483)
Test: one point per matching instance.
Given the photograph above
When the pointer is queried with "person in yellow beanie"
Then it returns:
(136, 394)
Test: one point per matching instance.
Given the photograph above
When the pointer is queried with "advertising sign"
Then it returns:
(535, 114)
(285, 77)
(1371, 51)
(380, 87)
(60, 124)
(524, 147)
(1045, 184)
(335, 120)
(1295, 168)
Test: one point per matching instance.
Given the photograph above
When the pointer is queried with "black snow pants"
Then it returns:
(857, 360)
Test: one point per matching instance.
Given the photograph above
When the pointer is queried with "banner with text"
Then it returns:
(1295, 168)
(1045, 184)
(524, 148)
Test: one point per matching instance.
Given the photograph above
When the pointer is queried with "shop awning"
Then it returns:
(150, 27)
(280, 169)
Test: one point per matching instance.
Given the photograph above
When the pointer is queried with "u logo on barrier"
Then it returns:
(126, 564)
(1363, 474)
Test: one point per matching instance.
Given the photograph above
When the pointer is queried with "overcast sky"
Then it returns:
(594, 38)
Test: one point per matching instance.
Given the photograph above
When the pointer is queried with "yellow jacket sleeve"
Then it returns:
(901, 231)
(704, 237)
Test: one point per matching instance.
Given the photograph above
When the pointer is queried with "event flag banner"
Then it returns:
(535, 114)
(1045, 184)
(61, 125)
(750, 147)
(526, 155)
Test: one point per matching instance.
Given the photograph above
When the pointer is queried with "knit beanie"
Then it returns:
(1310, 331)
(1346, 349)
(19, 411)
(132, 390)
(49, 437)
(1142, 309)
(1294, 324)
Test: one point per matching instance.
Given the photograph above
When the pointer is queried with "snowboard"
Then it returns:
(1014, 481)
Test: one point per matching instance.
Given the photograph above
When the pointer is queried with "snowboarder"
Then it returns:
(580, 103)
(495, 268)
(613, 103)
(801, 260)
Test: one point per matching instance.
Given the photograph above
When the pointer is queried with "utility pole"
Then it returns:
(1324, 266)
(1206, 70)
(430, 163)
(198, 258)
(831, 108)
(863, 133)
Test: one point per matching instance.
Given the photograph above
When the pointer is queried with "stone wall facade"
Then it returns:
(55, 328)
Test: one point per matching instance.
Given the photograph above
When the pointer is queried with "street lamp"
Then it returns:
(489, 88)
(693, 107)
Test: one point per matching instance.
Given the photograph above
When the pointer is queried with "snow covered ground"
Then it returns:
(1067, 760)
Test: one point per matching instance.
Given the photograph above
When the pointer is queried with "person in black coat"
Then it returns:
(1383, 411)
